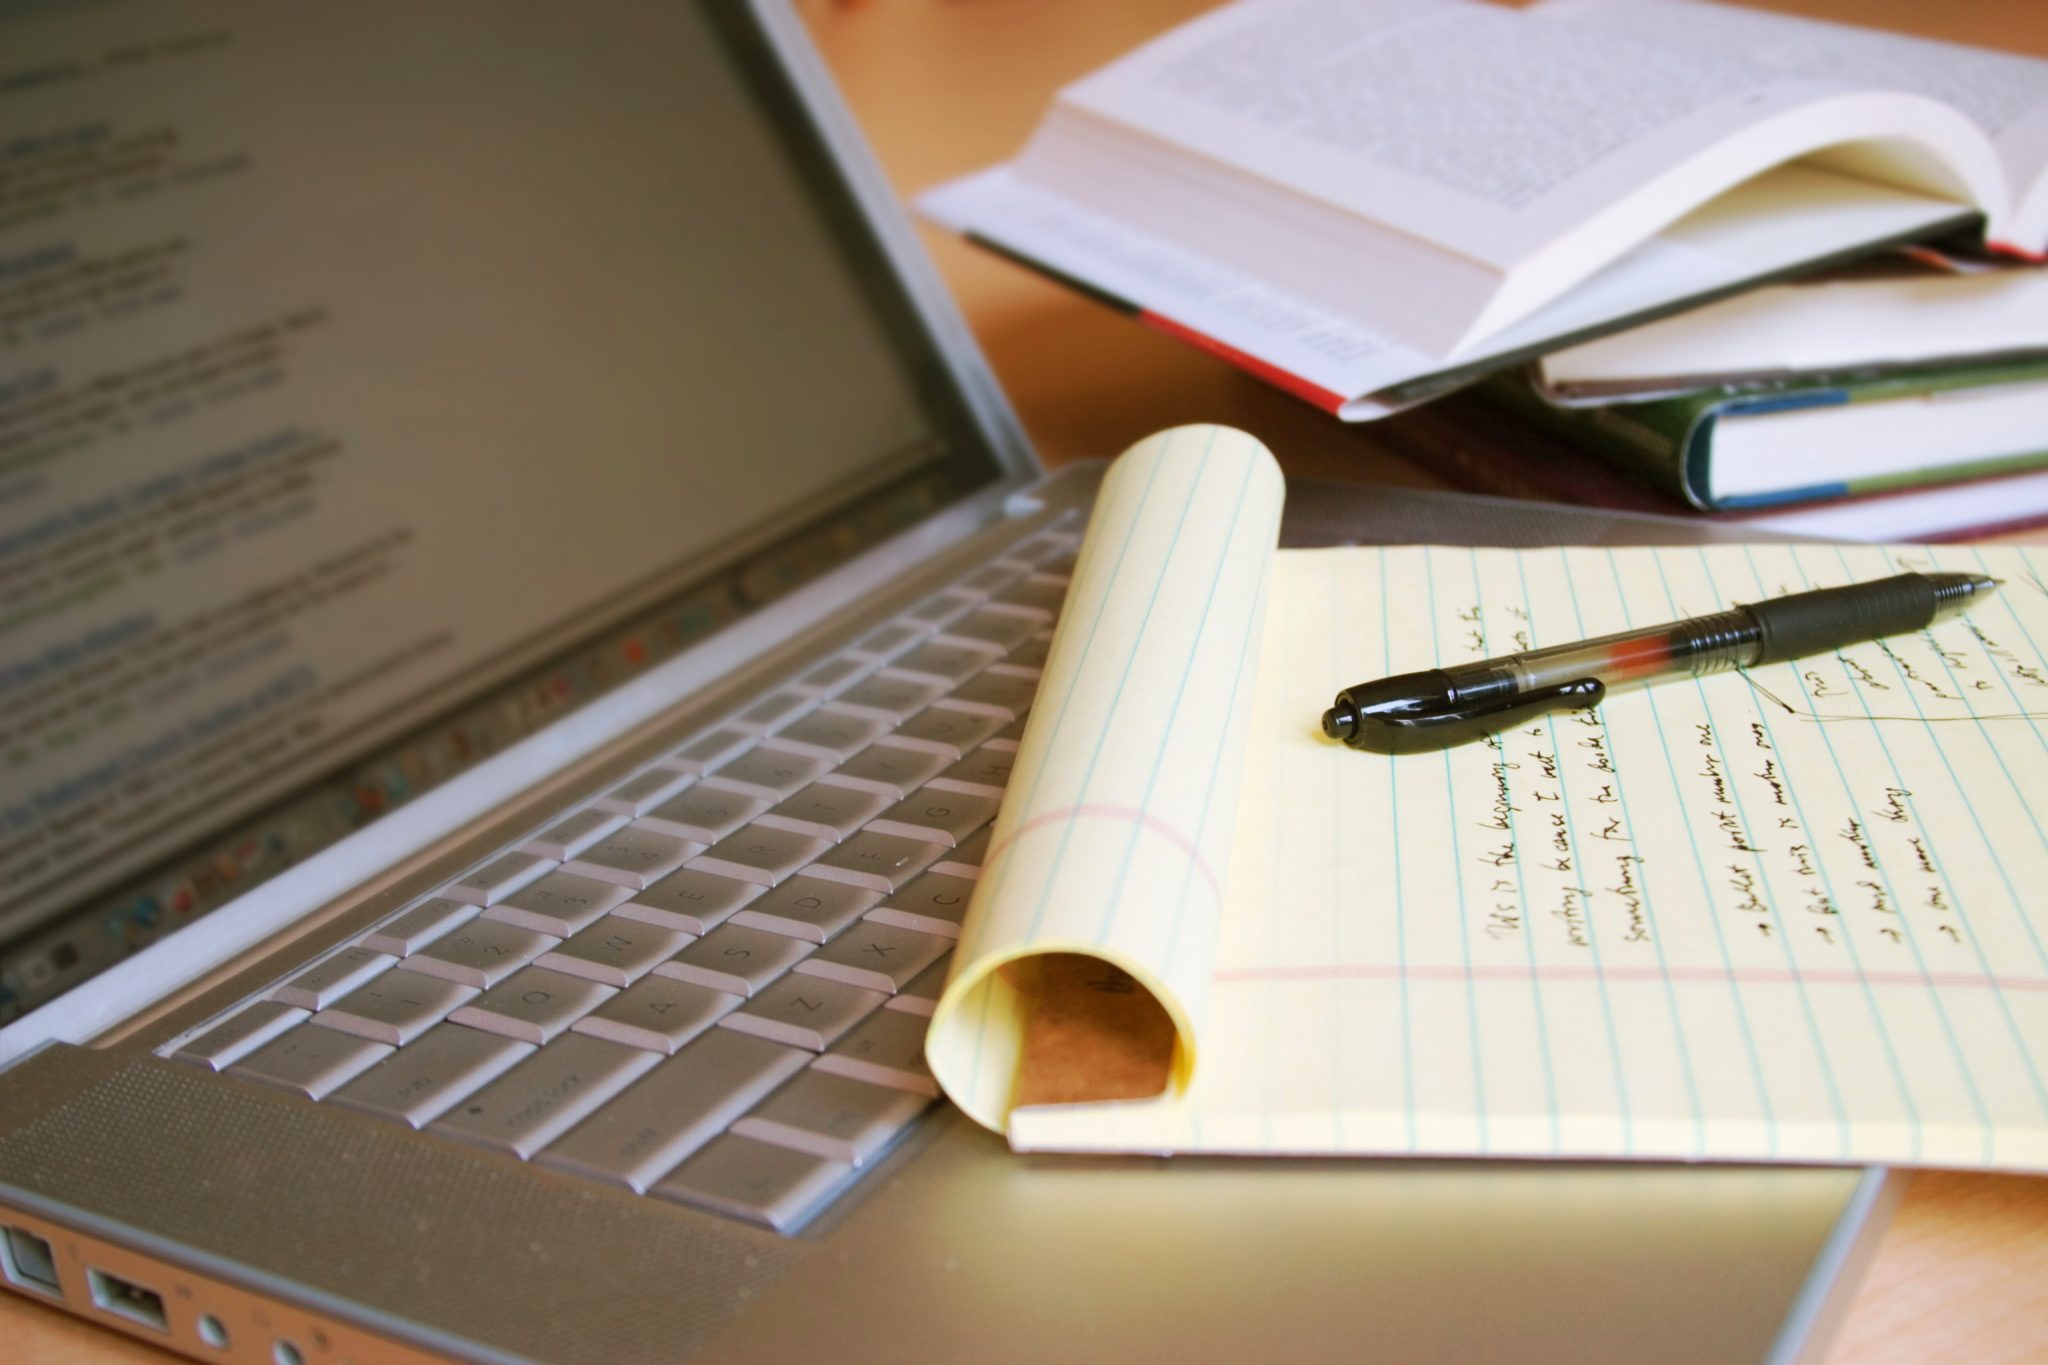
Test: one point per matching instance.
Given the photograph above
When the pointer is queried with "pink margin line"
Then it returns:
(1130, 815)
(1760, 976)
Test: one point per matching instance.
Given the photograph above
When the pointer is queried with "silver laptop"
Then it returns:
(517, 597)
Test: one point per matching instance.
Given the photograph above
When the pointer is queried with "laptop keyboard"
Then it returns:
(711, 982)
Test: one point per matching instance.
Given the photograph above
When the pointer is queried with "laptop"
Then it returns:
(518, 597)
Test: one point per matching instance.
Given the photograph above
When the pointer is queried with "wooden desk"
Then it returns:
(946, 86)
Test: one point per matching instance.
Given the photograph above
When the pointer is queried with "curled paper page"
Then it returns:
(1090, 944)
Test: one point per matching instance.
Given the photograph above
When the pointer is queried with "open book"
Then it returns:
(1792, 914)
(1366, 200)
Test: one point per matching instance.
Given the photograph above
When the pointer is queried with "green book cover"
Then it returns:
(1670, 442)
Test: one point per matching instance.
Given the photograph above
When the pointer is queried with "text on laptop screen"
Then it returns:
(354, 358)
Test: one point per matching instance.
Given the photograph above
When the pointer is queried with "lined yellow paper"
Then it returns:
(1797, 914)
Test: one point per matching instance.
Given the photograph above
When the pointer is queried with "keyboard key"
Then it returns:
(921, 996)
(881, 862)
(776, 1187)
(395, 1008)
(833, 676)
(413, 929)
(809, 908)
(707, 751)
(705, 813)
(886, 642)
(892, 769)
(1033, 652)
(1036, 595)
(480, 953)
(984, 581)
(946, 662)
(329, 979)
(967, 859)
(499, 878)
(832, 734)
(310, 1060)
(736, 958)
(560, 903)
(939, 817)
(878, 957)
(1061, 565)
(642, 792)
(887, 1049)
(760, 854)
(615, 951)
(934, 612)
(1009, 737)
(999, 630)
(417, 1083)
(890, 696)
(985, 772)
(546, 1095)
(804, 1011)
(945, 731)
(533, 1005)
(932, 904)
(571, 834)
(826, 810)
(634, 857)
(834, 1117)
(240, 1034)
(690, 901)
(995, 693)
(674, 1109)
(773, 712)
(769, 772)
(1044, 548)
(658, 1013)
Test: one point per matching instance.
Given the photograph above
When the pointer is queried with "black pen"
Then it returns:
(1417, 712)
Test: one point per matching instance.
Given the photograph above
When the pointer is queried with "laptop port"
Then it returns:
(126, 1299)
(28, 1261)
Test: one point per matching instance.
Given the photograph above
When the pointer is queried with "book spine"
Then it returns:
(1647, 452)
(1483, 448)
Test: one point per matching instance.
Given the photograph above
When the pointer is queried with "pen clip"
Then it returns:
(1416, 734)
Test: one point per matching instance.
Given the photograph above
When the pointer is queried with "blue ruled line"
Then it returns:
(1458, 870)
(1648, 902)
(1649, 695)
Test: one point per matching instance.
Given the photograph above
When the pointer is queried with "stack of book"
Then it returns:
(1690, 248)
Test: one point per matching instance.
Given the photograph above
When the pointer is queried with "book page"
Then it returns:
(2004, 93)
(1463, 124)
(1444, 170)
(1788, 915)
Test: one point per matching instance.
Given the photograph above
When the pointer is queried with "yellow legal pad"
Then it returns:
(1794, 914)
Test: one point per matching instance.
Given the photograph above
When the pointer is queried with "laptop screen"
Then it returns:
(376, 384)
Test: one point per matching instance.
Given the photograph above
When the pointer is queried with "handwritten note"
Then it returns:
(1797, 913)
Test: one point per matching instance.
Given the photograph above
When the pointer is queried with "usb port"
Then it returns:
(126, 1299)
(28, 1261)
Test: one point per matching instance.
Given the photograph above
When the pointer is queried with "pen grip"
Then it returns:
(1829, 618)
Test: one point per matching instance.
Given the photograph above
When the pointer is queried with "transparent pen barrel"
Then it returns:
(1705, 644)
